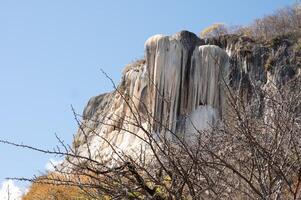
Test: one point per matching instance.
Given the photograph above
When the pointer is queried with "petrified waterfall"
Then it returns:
(180, 82)
(185, 76)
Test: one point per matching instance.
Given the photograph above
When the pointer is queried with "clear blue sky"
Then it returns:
(51, 53)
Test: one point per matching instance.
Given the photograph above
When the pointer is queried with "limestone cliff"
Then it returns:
(180, 82)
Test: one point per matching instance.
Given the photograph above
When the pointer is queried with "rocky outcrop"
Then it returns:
(185, 75)
(179, 87)
(258, 65)
(254, 62)
(179, 79)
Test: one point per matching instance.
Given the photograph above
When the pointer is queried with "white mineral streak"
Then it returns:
(180, 83)
(200, 119)
(229, 50)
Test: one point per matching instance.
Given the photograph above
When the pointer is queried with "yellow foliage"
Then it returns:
(214, 30)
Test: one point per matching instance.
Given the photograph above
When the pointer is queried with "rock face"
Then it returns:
(184, 76)
(254, 63)
(257, 65)
(180, 80)
(179, 87)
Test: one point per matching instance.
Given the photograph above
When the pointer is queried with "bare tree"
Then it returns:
(241, 156)
(281, 22)
(244, 156)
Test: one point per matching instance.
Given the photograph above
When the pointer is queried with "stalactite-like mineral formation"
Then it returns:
(179, 83)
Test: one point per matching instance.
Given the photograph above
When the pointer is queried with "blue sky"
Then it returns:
(51, 53)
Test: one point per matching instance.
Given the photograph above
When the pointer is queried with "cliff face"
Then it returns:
(256, 65)
(178, 87)
(185, 76)
(257, 62)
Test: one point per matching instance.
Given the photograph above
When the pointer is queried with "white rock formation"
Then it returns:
(180, 82)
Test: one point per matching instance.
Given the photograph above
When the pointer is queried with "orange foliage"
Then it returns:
(49, 192)
(42, 191)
